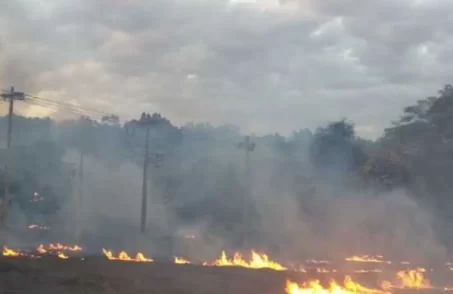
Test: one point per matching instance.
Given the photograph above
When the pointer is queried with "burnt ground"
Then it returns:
(50, 275)
(98, 275)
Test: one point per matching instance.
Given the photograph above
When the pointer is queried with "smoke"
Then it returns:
(197, 195)
(331, 220)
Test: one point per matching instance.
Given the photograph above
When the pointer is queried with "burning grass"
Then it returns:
(124, 256)
(257, 261)
(409, 279)
(348, 286)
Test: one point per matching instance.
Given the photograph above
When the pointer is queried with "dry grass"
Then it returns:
(50, 275)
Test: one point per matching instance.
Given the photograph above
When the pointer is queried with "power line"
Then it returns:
(64, 104)
(60, 105)
(57, 107)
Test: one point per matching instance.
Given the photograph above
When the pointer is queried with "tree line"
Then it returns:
(201, 177)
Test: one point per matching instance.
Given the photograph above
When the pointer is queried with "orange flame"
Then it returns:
(10, 252)
(62, 255)
(367, 258)
(41, 249)
(61, 247)
(412, 279)
(315, 287)
(258, 261)
(179, 260)
(123, 256)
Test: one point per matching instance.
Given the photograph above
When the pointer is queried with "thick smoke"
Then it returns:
(196, 198)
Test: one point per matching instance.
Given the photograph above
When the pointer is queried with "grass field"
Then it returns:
(50, 275)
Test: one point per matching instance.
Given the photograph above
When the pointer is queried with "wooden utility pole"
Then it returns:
(248, 146)
(144, 207)
(147, 121)
(11, 96)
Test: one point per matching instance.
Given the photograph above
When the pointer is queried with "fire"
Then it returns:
(179, 260)
(362, 271)
(412, 279)
(258, 261)
(41, 249)
(61, 247)
(123, 256)
(10, 252)
(367, 258)
(62, 255)
(315, 287)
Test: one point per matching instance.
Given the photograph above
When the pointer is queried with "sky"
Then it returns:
(264, 65)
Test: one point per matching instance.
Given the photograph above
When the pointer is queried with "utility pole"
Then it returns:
(248, 146)
(146, 122)
(144, 207)
(85, 128)
(11, 96)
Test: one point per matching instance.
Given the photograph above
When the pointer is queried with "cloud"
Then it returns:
(270, 65)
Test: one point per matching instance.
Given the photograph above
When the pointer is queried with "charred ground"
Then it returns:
(97, 275)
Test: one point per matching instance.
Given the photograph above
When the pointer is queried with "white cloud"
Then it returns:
(304, 62)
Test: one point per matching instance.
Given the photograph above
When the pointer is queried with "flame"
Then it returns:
(62, 255)
(61, 247)
(412, 279)
(367, 258)
(258, 261)
(315, 287)
(362, 271)
(10, 252)
(41, 249)
(179, 260)
(123, 256)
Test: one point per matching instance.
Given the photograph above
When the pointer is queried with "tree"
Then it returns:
(336, 148)
(423, 141)
(40, 180)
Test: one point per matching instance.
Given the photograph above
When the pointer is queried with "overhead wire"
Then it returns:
(60, 105)
(56, 107)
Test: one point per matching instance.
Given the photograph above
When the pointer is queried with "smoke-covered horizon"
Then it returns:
(309, 195)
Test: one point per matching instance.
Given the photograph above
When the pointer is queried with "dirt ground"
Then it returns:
(49, 275)
(97, 275)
